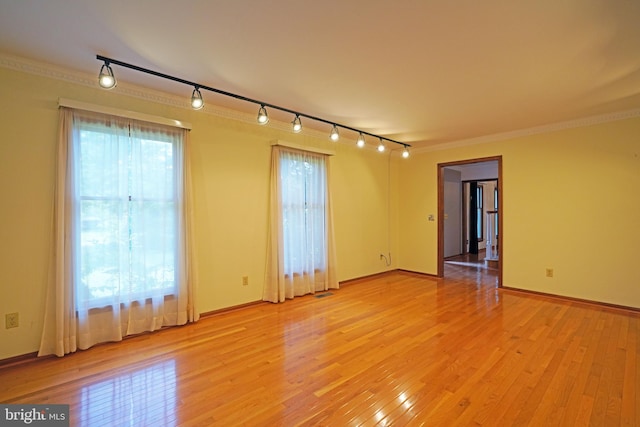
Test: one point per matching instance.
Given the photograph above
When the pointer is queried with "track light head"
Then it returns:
(196, 99)
(297, 124)
(106, 79)
(381, 146)
(334, 133)
(263, 118)
(405, 153)
(361, 141)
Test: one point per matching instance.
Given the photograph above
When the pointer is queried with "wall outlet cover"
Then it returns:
(11, 320)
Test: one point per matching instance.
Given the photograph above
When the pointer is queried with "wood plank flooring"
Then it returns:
(394, 350)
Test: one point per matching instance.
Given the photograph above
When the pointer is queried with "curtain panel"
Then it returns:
(301, 250)
(122, 251)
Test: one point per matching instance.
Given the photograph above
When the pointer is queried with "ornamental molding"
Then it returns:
(537, 130)
(90, 80)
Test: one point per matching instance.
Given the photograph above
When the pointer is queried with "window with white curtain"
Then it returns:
(127, 212)
(304, 183)
(301, 252)
(122, 245)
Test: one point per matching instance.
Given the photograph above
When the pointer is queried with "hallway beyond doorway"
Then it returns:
(471, 268)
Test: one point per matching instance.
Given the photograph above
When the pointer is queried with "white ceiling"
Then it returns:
(419, 71)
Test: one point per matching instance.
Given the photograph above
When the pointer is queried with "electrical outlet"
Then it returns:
(11, 320)
(245, 280)
(549, 272)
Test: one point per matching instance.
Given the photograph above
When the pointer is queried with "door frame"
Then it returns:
(441, 167)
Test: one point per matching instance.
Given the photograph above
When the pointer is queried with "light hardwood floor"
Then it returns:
(394, 350)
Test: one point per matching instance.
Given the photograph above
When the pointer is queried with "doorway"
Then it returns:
(479, 216)
(461, 224)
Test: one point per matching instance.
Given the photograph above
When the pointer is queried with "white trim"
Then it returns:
(553, 127)
(79, 105)
(303, 147)
(39, 68)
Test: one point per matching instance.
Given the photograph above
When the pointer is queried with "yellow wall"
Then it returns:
(230, 163)
(570, 203)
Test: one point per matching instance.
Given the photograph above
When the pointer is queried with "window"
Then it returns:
(127, 212)
(122, 243)
(301, 254)
(480, 207)
(303, 181)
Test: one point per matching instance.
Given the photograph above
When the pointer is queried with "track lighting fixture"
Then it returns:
(297, 124)
(196, 99)
(106, 79)
(263, 118)
(334, 133)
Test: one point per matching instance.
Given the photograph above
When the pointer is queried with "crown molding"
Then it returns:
(52, 71)
(42, 69)
(554, 127)
(90, 80)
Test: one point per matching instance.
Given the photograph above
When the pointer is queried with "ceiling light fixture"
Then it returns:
(334, 133)
(196, 99)
(107, 80)
(361, 141)
(405, 153)
(263, 118)
(381, 146)
(297, 124)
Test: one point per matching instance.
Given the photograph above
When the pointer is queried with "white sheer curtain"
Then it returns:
(301, 254)
(122, 251)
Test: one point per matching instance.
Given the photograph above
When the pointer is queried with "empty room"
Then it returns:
(319, 213)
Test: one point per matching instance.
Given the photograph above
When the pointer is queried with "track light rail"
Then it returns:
(197, 86)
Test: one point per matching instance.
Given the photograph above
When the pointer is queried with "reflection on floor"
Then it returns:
(149, 392)
(468, 260)
(471, 268)
(399, 349)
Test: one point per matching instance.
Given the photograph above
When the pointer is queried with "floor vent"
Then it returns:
(326, 294)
